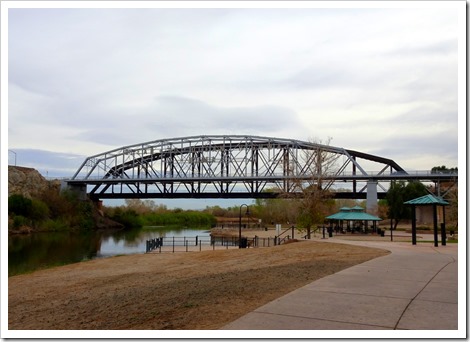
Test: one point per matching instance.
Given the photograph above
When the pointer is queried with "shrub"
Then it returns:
(19, 205)
(39, 210)
(19, 221)
(55, 225)
(129, 218)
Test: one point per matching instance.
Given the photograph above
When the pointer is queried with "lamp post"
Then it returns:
(240, 224)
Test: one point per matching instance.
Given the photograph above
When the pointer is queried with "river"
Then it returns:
(27, 253)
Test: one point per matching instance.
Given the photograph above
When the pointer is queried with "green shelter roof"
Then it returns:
(427, 200)
(353, 216)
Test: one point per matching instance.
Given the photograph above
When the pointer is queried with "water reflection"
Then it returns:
(27, 253)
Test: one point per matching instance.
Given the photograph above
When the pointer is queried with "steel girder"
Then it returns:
(229, 166)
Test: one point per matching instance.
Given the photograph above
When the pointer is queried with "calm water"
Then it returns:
(27, 253)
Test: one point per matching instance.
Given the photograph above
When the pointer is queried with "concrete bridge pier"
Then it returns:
(371, 203)
(79, 189)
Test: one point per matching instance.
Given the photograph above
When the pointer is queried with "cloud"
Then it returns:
(172, 116)
(186, 112)
(408, 151)
(89, 80)
(49, 164)
(431, 50)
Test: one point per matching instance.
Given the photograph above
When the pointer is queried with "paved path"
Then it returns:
(414, 287)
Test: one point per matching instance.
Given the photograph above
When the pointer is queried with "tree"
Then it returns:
(274, 210)
(397, 195)
(61, 204)
(140, 206)
(449, 191)
(382, 208)
(453, 209)
(128, 217)
(443, 169)
(314, 203)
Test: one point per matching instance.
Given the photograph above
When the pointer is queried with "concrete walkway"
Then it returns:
(414, 287)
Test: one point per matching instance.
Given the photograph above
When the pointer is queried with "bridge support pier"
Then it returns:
(371, 206)
(78, 189)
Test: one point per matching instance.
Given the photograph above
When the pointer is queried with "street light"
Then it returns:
(240, 224)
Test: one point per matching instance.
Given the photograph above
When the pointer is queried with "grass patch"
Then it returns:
(432, 241)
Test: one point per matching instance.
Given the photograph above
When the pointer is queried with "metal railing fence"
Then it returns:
(196, 243)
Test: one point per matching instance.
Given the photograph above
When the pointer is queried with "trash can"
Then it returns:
(382, 233)
(330, 232)
(243, 243)
(379, 231)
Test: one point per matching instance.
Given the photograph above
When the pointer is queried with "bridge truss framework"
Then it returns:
(237, 166)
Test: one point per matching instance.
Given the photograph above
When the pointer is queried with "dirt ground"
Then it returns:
(194, 290)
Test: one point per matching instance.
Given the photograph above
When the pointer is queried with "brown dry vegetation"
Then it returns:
(196, 290)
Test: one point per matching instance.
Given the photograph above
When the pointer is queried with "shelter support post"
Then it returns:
(443, 227)
(434, 207)
(429, 200)
(413, 225)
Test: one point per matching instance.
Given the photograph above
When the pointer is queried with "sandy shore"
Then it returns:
(195, 290)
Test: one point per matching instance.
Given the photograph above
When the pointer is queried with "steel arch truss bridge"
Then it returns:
(229, 167)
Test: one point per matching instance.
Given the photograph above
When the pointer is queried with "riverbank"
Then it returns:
(197, 290)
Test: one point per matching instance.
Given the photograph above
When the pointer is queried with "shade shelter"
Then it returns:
(429, 200)
(354, 214)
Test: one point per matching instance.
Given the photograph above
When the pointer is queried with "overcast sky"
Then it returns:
(378, 80)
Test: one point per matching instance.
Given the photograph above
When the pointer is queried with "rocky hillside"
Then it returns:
(27, 182)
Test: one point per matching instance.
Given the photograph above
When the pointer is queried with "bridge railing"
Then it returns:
(397, 174)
